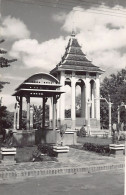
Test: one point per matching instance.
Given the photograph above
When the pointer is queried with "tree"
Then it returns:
(4, 63)
(6, 118)
(115, 87)
(38, 115)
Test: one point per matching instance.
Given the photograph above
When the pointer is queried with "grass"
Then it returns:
(96, 140)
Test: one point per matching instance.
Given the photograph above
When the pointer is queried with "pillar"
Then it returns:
(98, 99)
(43, 116)
(87, 89)
(118, 114)
(110, 119)
(50, 112)
(88, 116)
(28, 112)
(18, 107)
(20, 113)
(58, 113)
(54, 118)
(83, 101)
(15, 111)
(92, 98)
(54, 113)
(31, 117)
(62, 98)
(73, 108)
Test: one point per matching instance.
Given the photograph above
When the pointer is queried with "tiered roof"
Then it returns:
(74, 59)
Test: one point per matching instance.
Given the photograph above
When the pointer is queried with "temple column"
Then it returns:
(28, 112)
(50, 112)
(62, 98)
(54, 113)
(20, 113)
(88, 116)
(43, 119)
(31, 117)
(83, 101)
(15, 114)
(87, 89)
(92, 98)
(73, 109)
(98, 99)
(54, 118)
(58, 114)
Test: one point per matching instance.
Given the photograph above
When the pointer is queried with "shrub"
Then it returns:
(46, 149)
(122, 137)
(103, 149)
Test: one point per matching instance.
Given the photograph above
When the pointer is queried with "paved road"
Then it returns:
(103, 183)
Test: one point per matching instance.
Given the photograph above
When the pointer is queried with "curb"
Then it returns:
(5, 175)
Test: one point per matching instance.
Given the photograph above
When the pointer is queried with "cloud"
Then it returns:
(102, 37)
(60, 17)
(8, 100)
(109, 58)
(17, 78)
(44, 55)
(13, 28)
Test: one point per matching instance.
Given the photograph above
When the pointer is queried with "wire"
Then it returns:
(46, 4)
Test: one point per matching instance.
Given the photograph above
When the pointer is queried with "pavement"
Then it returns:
(100, 183)
(76, 161)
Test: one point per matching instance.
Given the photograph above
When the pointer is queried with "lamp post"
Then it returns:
(110, 113)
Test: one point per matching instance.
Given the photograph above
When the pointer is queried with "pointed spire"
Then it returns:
(73, 33)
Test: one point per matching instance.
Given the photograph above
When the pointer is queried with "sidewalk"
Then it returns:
(77, 161)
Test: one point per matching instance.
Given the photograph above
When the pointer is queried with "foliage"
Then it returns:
(4, 63)
(115, 86)
(24, 119)
(103, 149)
(47, 149)
(38, 115)
(67, 113)
(6, 118)
(122, 137)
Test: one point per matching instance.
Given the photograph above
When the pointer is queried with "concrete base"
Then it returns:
(117, 149)
(61, 151)
(53, 137)
(24, 138)
(69, 138)
(8, 155)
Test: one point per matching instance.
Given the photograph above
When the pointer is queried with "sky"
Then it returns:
(36, 33)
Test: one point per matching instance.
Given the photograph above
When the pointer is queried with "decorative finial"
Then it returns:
(73, 33)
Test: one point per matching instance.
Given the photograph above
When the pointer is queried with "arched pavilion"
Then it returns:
(40, 85)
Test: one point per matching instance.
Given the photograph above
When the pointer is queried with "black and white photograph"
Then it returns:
(62, 97)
